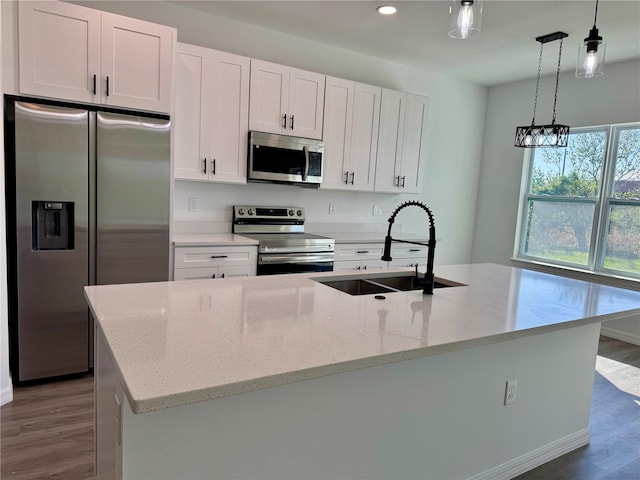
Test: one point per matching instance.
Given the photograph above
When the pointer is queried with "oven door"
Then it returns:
(295, 263)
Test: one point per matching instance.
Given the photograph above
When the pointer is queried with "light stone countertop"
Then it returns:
(176, 343)
(211, 240)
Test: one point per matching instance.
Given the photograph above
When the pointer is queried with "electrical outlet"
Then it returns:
(510, 392)
(193, 204)
(377, 210)
(332, 208)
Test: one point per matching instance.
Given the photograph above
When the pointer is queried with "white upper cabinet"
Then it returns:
(286, 100)
(136, 63)
(211, 115)
(352, 113)
(59, 50)
(76, 53)
(401, 137)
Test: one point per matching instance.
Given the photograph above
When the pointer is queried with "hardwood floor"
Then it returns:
(47, 431)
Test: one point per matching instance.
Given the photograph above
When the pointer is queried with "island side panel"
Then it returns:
(434, 417)
(108, 417)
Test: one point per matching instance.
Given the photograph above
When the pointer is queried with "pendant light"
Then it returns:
(553, 135)
(465, 18)
(591, 53)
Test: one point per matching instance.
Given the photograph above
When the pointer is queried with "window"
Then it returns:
(581, 204)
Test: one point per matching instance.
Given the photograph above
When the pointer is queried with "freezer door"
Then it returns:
(51, 318)
(132, 196)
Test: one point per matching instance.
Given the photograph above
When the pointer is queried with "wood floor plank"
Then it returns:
(47, 431)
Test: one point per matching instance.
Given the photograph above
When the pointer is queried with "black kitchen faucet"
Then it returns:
(427, 281)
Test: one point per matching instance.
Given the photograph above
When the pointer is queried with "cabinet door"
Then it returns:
(390, 135)
(364, 136)
(231, 272)
(227, 90)
(196, 273)
(269, 92)
(413, 146)
(191, 146)
(306, 103)
(374, 265)
(137, 60)
(347, 265)
(337, 134)
(59, 50)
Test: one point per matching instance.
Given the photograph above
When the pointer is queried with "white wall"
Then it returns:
(450, 182)
(6, 391)
(612, 98)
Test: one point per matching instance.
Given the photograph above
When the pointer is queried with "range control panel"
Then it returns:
(270, 213)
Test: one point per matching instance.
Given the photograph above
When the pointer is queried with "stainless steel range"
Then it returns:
(283, 245)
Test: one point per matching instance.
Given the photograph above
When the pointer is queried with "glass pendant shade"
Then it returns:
(465, 18)
(591, 56)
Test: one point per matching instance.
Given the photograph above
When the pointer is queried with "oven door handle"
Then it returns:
(305, 150)
(293, 259)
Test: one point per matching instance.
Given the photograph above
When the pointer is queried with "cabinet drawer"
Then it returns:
(359, 251)
(400, 250)
(188, 257)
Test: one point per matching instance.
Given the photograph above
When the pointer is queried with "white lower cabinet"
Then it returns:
(192, 263)
(359, 256)
(367, 256)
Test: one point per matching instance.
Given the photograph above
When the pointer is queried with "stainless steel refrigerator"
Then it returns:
(87, 203)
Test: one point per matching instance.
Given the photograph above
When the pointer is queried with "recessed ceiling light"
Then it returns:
(387, 9)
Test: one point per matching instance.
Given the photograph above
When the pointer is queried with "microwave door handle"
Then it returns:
(305, 150)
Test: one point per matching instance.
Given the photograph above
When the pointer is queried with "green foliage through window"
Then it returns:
(582, 207)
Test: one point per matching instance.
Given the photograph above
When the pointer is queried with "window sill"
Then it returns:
(612, 280)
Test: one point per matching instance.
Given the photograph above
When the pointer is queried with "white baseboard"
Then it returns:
(535, 458)
(620, 335)
(6, 395)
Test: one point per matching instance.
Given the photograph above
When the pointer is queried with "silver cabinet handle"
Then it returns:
(403, 177)
(204, 164)
(362, 251)
(284, 121)
(219, 256)
(346, 178)
(107, 85)
(353, 176)
(94, 83)
(213, 166)
(291, 122)
(414, 250)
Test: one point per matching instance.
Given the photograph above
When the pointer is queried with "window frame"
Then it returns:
(603, 202)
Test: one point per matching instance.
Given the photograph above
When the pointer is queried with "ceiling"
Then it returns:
(505, 51)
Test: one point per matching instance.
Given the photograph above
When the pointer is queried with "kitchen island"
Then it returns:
(285, 377)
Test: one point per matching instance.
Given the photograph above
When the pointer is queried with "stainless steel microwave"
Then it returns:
(284, 159)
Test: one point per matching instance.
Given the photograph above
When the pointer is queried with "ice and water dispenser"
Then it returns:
(52, 225)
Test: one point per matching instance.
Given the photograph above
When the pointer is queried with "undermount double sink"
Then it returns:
(371, 284)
